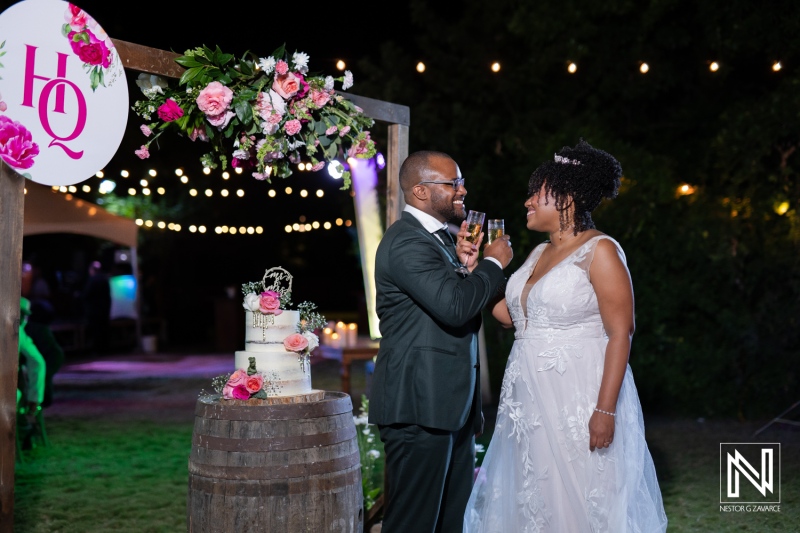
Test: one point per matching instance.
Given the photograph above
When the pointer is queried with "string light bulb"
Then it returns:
(644, 68)
(420, 67)
(776, 66)
(572, 68)
(714, 66)
(341, 65)
(495, 67)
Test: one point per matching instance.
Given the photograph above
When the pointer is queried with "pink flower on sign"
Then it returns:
(222, 119)
(281, 67)
(17, 148)
(295, 343)
(215, 99)
(143, 152)
(76, 17)
(254, 383)
(271, 303)
(292, 127)
(286, 85)
(146, 130)
(89, 48)
(169, 111)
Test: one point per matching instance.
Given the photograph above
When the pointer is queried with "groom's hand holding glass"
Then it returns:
(499, 249)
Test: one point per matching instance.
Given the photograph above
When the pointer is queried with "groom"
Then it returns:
(425, 395)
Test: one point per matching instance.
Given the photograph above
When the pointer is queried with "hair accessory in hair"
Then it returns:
(565, 160)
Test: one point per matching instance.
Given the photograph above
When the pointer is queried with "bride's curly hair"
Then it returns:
(578, 177)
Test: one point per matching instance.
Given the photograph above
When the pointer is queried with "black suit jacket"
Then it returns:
(427, 372)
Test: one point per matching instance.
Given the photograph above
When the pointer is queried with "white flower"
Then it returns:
(278, 104)
(150, 84)
(300, 61)
(361, 420)
(328, 83)
(266, 64)
(269, 129)
(373, 454)
(252, 302)
(348, 80)
(313, 340)
(294, 145)
(241, 154)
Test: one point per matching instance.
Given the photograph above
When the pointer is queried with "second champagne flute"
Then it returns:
(496, 227)
(474, 225)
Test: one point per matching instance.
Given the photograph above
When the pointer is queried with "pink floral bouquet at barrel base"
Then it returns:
(265, 113)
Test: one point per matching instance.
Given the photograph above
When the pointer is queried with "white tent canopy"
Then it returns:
(49, 211)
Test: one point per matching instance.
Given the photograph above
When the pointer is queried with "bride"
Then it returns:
(568, 453)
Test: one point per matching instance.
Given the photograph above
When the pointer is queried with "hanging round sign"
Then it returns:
(63, 94)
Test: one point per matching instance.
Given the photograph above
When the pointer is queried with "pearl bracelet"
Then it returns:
(605, 412)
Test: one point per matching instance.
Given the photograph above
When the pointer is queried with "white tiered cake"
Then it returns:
(287, 374)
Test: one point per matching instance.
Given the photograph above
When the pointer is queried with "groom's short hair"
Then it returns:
(413, 168)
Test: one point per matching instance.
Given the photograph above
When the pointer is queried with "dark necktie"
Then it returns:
(447, 239)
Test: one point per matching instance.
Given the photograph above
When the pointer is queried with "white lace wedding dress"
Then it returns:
(538, 473)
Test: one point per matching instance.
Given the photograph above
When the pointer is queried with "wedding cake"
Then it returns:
(278, 342)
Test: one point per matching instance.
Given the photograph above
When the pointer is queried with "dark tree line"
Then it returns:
(715, 272)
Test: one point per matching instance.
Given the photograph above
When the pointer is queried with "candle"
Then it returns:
(341, 330)
(326, 336)
(352, 334)
(335, 340)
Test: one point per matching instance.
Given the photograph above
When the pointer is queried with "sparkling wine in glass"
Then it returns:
(497, 227)
(474, 225)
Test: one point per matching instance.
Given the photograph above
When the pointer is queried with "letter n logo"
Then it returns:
(750, 472)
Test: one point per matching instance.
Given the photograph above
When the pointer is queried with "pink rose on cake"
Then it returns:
(254, 383)
(270, 303)
(236, 387)
(295, 343)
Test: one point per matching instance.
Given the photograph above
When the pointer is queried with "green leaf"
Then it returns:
(188, 62)
(244, 111)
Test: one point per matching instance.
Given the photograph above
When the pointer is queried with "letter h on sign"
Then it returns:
(44, 97)
(738, 459)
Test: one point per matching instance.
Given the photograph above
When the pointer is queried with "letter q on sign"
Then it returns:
(63, 94)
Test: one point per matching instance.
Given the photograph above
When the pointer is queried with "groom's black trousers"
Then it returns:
(429, 475)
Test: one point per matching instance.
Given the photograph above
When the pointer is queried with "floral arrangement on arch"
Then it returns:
(269, 112)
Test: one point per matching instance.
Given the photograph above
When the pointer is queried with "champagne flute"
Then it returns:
(474, 225)
(497, 227)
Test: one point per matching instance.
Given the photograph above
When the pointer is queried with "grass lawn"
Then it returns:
(120, 474)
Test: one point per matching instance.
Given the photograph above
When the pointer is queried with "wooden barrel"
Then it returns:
(279, 468)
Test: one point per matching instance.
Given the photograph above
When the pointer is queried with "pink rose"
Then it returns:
(286, 85)
(169, 111)
(146, 130)
(320, 98)
(254, 383)
(295, 343)
(281, 67)
(198, 133)
(292, 127)
(238, 378)
(240, 392)
(214, 99)
(221, 120)
(143, 152)
(271, 303)
(16, 144)
(89, 48)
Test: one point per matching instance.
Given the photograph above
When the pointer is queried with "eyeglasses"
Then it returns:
(456, 183)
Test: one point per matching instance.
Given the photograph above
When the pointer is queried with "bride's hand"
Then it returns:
(601, 431)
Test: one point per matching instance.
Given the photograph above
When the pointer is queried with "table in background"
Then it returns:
(363, 350)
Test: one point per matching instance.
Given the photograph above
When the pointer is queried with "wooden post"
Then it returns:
(398, 151)
(12, 201)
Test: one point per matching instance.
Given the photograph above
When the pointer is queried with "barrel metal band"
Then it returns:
(277, 471)
(249, 444)
(259, 488)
